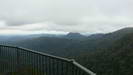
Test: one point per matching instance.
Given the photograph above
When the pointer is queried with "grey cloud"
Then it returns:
(68, 15)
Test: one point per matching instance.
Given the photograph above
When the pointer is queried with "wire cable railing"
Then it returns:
(21, 61)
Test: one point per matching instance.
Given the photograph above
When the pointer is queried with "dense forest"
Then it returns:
(105, 54)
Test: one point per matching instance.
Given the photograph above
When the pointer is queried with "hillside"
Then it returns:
(113, 60)
(105, 54)
(71, 44)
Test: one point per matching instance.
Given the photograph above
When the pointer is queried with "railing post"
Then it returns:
(0, 50)
(18, 59)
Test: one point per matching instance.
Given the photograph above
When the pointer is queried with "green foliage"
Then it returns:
(113, 60)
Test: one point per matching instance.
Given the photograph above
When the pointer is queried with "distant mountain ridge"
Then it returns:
(72, 34)
(105, 54)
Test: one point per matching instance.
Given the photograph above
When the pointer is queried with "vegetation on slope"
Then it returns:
(107, 54)
(113, 60)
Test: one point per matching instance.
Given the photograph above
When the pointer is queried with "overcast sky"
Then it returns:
(60, 16)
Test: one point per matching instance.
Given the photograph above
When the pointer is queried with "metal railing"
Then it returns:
(21, 61)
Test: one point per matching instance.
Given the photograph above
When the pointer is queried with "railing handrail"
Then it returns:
(83, 68)
(37, 52)
(55, 57)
